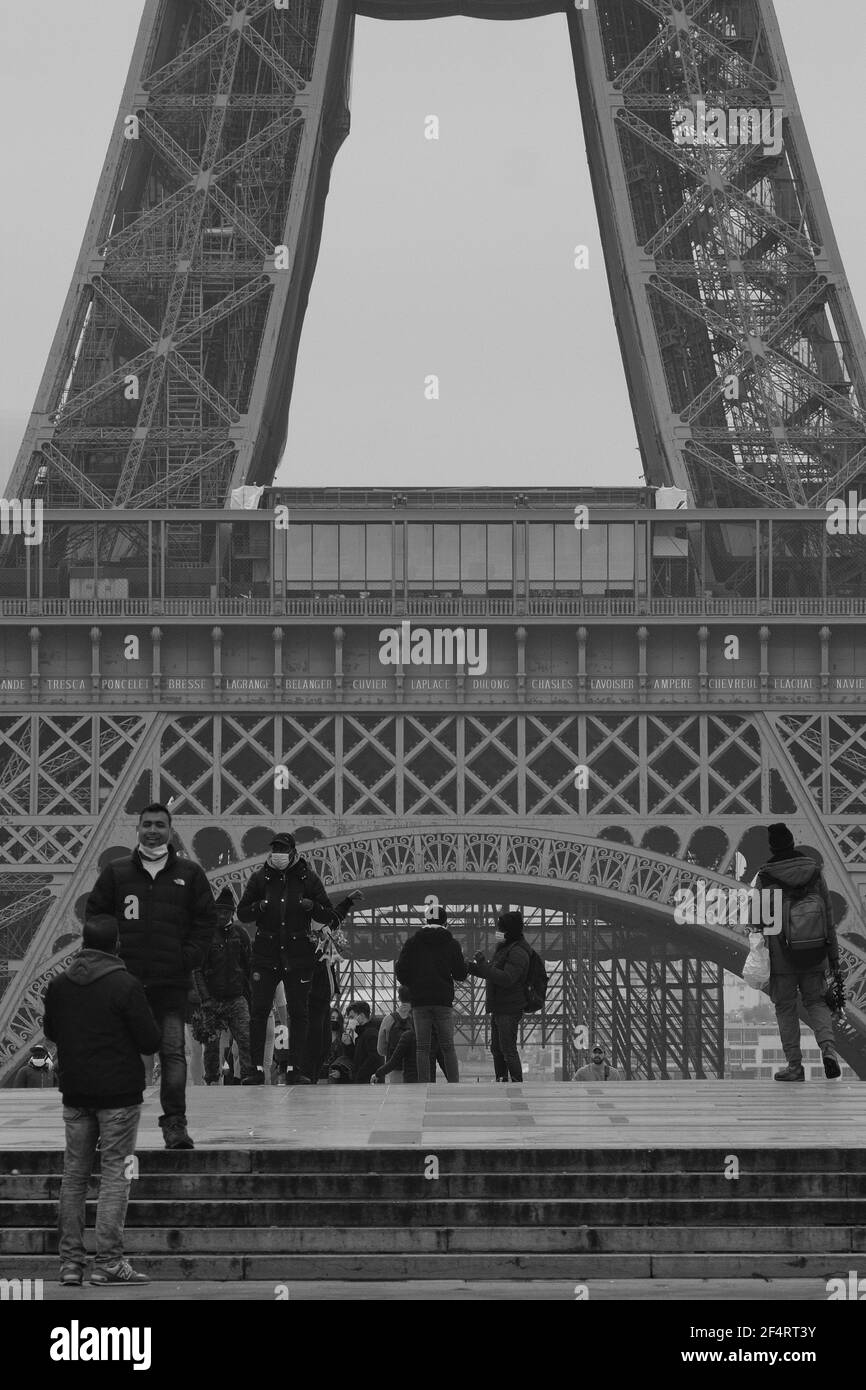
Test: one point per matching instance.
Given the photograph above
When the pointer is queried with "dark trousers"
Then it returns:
(297, 979)
(318, 1037)
(503, 1045)
(169, 1010)
(236, 1017)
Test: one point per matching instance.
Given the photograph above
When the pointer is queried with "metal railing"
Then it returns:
(570, 606)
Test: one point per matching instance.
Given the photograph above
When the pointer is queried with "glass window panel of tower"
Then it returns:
(446, 556)
(567, 558)
(299, 559)
(352, 555)
(379, 555)
(500, 557)
(541, 556)
(325, 557)
(419, 562)
(473, 557)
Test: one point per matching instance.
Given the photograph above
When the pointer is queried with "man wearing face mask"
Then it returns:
(283, 898)
(38, 1071)
(506, 977)
(166, 918)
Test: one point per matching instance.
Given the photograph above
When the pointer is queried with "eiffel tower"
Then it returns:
(160, 641)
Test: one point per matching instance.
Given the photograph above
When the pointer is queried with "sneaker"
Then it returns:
(255, 1078)
(174, 1132)
(790, 1073)
(72, 1275)
(831, 1062)
(121, 1273)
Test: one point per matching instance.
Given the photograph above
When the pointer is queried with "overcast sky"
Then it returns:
(452, 257)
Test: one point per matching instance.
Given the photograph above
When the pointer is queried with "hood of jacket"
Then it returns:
(90, 966)
(792, 870)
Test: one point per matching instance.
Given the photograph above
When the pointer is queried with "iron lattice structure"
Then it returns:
(168, 384)
(721, 258)
(406, 804)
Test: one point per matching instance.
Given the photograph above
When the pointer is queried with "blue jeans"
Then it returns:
(171, 1018)
(424, 1017)
(116, 1131)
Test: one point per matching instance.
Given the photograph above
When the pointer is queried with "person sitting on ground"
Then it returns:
(37, 1072)
(359, 1041)
(598, 1067)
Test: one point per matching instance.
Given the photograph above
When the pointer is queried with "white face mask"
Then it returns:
(39, 1061)
(499, 936)
(159, 852)
(404, 1010)
(279, 861)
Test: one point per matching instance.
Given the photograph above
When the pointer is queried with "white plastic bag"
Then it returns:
(756, 971)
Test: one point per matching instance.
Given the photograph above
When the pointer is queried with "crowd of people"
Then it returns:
(165, 968)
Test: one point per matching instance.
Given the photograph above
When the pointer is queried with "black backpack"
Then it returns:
(804, 914)
(535, 987)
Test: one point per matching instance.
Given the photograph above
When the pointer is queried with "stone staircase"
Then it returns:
(371, 1214)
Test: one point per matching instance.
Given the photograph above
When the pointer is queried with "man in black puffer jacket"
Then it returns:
(98, 1014)
(284, 897)
(428, 965)
(166, 916)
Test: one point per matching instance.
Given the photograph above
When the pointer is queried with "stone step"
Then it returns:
(530, 1211)
(409, 1161)
(324, 1187)
(577, 1267)
(417, 1240)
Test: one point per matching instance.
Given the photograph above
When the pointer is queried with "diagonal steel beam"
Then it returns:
(152, 495)
(196, 51)
(274, 59)
(258, 142)
(209, 393)
(67, 469)
(232, 302)
(75, 404)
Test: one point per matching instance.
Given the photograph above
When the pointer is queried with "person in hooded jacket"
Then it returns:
(37, 1072)
(796, 975)
(283, 898)
(166, 914)
(98, 1015)
(428, 965)
(402, 1060)
(506, 977)
(223, 984)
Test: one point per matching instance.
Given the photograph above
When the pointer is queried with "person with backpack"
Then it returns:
(283, 898)
(506, 977)
(428, 965)
(800, 953)
(402, 1060)
(223, 985)
(393, 1025)
(598, 1068)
